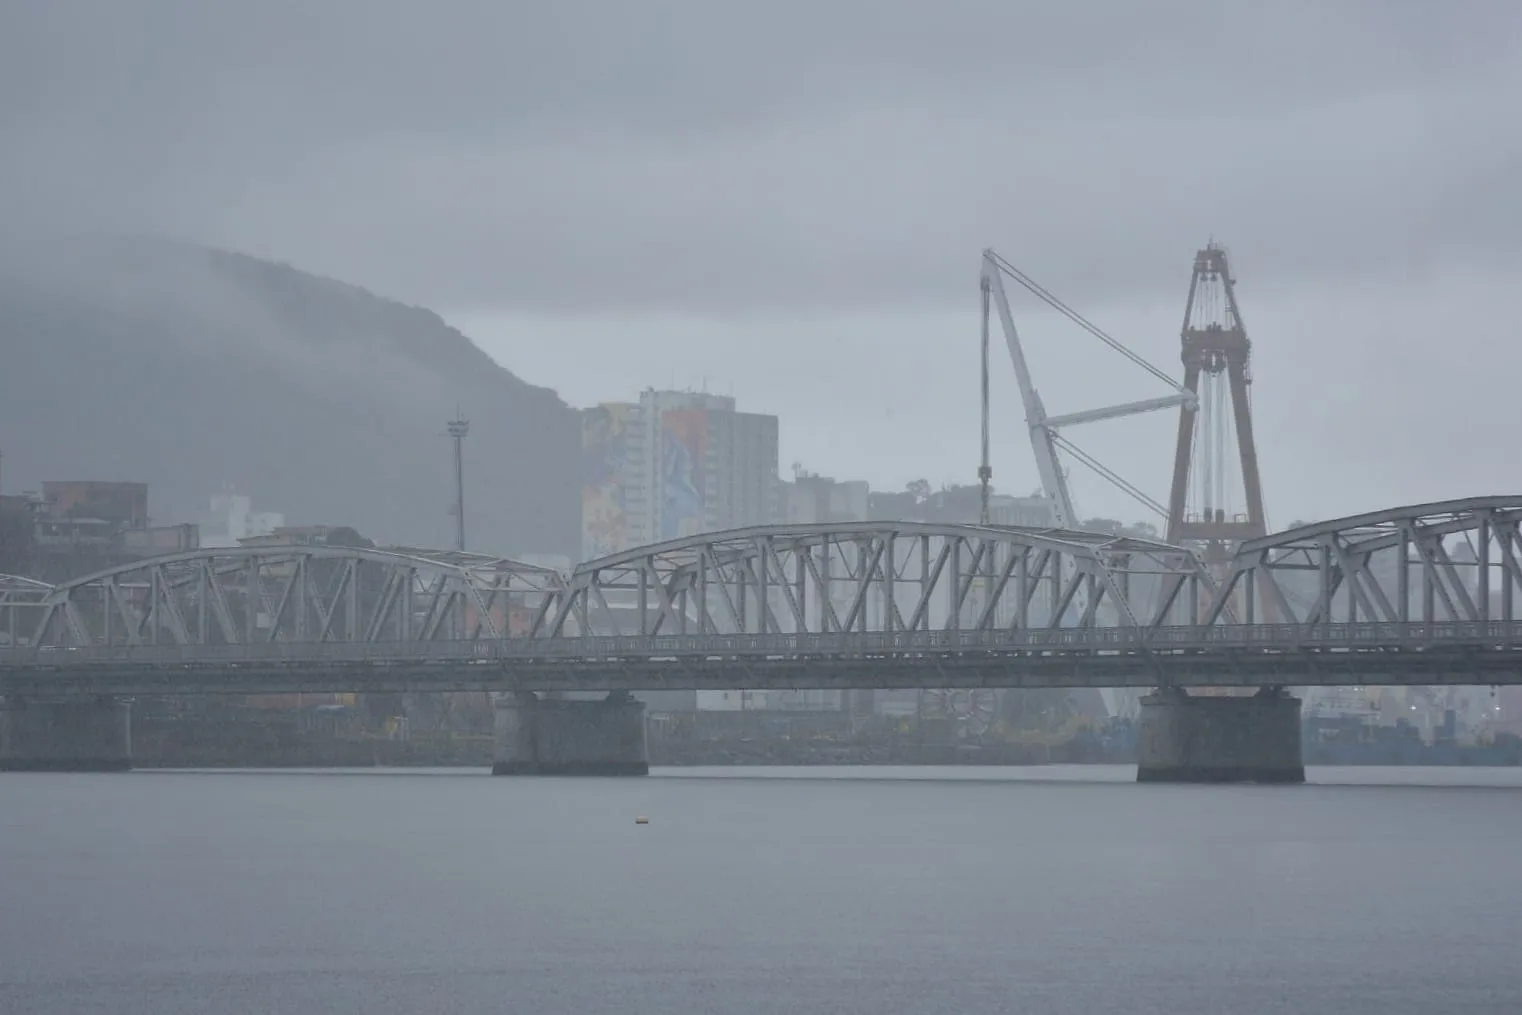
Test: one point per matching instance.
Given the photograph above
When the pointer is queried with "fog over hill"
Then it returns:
(195, 370)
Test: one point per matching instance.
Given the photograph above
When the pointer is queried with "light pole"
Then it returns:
(458, 428)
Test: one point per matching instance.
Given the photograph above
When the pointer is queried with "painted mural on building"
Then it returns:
(684, 447)
(605, 432)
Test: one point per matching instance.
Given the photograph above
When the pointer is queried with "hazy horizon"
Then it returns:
(788, 205)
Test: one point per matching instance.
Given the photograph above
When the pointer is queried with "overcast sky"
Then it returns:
(786, 200)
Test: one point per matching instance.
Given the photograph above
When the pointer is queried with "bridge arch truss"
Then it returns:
(20, 601)
(880, 577)
(296, 594)
(1448, 561)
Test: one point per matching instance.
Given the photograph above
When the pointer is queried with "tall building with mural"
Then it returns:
(613, 491)
(673, 464)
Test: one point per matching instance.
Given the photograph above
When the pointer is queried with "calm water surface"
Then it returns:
(893, 891)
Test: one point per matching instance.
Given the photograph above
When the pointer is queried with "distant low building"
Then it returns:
(18, 544)
(162, 539)
(232, 518)
(960, 505)
(77, 527)
(815, 500)
(121, 505)
(1033, 512)
(308, 535)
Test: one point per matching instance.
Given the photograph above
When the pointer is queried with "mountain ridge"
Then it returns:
(195, 369)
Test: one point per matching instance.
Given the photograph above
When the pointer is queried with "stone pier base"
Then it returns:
(1207, 739)
(66, 736)
(537, 736)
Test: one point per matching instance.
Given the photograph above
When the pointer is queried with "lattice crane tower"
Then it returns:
(1217, 494)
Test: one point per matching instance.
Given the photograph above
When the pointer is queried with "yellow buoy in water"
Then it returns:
(642, 820)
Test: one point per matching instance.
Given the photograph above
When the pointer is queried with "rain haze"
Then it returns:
(656, 725)
(786, 201)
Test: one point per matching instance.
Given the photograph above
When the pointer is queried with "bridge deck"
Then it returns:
(1241, 655)
(1426, 594)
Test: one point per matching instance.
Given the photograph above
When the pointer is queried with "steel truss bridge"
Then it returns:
(1416, 595)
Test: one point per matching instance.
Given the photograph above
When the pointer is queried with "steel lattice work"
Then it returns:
(1217, 357)
(1450, 561)
(856, 605)
(305, 594)
(880, 577)
(16, 590)
(20, 599)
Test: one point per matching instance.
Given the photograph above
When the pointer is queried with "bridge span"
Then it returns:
(1417, 595)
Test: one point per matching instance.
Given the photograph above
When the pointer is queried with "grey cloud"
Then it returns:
(360, 65)
(569, 155)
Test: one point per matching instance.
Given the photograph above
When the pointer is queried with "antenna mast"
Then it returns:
(985, 470)
(458, 428)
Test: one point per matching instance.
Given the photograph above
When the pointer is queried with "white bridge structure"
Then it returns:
(841, 579)
(1425, 594)
(1410, 596)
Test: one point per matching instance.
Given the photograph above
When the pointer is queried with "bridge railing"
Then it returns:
(507, 651)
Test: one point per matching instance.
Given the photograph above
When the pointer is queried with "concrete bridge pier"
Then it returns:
(81, 735)
(1208, 739)
(539, 736)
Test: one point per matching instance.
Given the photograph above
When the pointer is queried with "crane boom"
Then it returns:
(1042, 428)
(1053, 482)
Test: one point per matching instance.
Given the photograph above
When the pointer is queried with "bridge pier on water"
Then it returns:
(546, 736)
(81, 735)
(1429, 594)
(1184, 738)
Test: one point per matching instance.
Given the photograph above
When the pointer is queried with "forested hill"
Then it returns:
(195, 370)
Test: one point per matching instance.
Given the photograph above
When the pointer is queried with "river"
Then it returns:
(1070, 891)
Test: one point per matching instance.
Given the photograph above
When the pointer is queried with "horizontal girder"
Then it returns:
(1417, 595)
(1240, 655)
(882, 577)
(22, 591)
(20, 600)
(291, 594)
(1458, 560)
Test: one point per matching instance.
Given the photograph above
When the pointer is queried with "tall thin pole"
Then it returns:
(985, 468)
(458, 428)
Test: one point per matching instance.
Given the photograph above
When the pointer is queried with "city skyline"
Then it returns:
(893, 425)
(800, 219)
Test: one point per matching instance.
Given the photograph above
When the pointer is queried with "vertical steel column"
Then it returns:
(458, 428)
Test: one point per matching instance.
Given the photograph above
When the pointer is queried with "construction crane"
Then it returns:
(1043, 429)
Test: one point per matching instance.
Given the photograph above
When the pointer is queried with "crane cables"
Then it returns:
(1105, 472)
(1046, 296)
